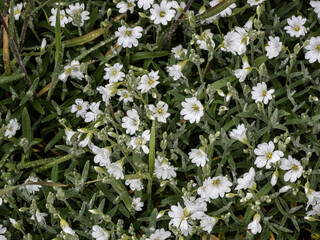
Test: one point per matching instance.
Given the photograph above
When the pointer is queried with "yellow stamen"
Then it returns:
(269, 155)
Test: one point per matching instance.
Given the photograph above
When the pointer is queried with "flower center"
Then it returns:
(128, 33)
(297, 28)
(269, 155)
(264, 93)
(196, 108)
(79, 107)
(159, 110)
(162, 14)
(318, 47)
(17, 12)
(294, 167)
(130, 5)
(216, 182)
(140, 142)
(125, 95)
(114, 72)
(61, 16)
(150, 82)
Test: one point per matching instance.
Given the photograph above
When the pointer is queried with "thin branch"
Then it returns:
(5, 11)
(16, 51)
(176, 23)
(25, 25)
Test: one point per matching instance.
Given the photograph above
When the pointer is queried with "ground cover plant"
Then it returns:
(156, 119)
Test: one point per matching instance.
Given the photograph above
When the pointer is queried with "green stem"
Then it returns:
(152, 146)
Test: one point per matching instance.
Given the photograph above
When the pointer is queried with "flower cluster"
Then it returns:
(158, 120)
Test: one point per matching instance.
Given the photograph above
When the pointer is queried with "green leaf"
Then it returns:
(54, 140)
(10, 78)
(148, 55)
(85, 172)
(37, 106)
(223, 82)
(26, 125)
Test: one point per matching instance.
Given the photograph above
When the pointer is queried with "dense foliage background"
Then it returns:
(74, 187)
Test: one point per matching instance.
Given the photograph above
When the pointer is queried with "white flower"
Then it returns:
(206, 36)
(241, 74)
(316, 6)
(148, 81)
(266, 155)
(227, 11)
(65, 227)
(179, 52)
(159, 235)
(313, 197)
(127, 5)
(196, 207)
(39, 216)
(125, 96)
(179, 219)
(134, 184)
(2, 231)
(145, 4)
(214, 187)
(284, 189)
(296, 28)
(137, 204)
(72, 70)
(160, 111)
(43, 45)
(99, 233)
(198, 156)
(63, 18)
(17, 11)
(1, 201)
(95, 112)
(273, 47)
(315, 210)
(231, 42)
(313, 49)
(128, 37)
(192, 110)
(239, 133)
(77, 14)
(80, 107)
(260, 93)
(86, 141)
(114, 74)
(102, 155)
(69, 133)
(274, 177)
(131, 122)
(116, 170)
(141, 141)
(247, 181)
(106, 92)
(255, 2)
(175, 71)
(207, 222)
(163, 170)
(162, 13)
(12, 128)
(294, 166)
(248, 196)
(255, 227)
(32, 188)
